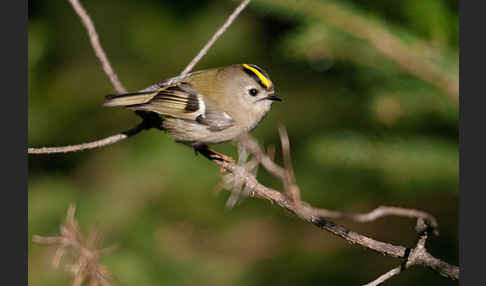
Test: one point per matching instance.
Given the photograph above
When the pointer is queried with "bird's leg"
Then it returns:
(212, 155)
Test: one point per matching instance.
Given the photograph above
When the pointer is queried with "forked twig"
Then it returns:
(319, 217)
(83, 251)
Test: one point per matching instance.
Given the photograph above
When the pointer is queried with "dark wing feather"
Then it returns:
(179, 100)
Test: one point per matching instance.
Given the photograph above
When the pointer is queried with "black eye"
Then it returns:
(253, 92)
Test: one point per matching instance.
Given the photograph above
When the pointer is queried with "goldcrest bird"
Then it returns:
(208, 106)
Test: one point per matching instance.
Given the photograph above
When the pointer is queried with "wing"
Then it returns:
(128, 98)
(215, 119)
(179, 100)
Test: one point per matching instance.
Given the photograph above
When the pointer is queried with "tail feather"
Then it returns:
(129, 98)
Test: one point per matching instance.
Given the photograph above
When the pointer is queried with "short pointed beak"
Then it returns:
(273, 97)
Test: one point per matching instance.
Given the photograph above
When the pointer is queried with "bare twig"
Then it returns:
(252, 146)
(216, 35)
(79, 147)
(95, 43)
(90, 145)
(290, 184)
(382, 211)
(116, 83)
(395, 271)
(420, 256)
(84, 252)
(287, 158)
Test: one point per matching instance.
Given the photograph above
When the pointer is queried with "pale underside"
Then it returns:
(194, 133)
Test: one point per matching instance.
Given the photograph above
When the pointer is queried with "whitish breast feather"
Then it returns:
(192, 132)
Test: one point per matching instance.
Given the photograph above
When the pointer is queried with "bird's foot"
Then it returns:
(213, 155)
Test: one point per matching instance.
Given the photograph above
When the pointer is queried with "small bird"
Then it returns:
(208, 106)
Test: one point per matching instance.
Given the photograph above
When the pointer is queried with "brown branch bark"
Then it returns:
(318, 217)
(420, 256)
(380, 212)
(310, 214)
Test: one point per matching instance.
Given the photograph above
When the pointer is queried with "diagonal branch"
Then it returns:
(307, 213)
(318, 217)
(395, 271)
(95, 43)
(380, 212)
(216, 35)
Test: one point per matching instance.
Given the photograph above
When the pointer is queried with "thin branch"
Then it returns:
(380, 212)
(290, 184)
(216, 35)
(253, 147)
(90, 145)
(79, 147)
(420, 256)
(287, 158)
(95, 43)
(84, 252)
(395, 271)
(93, 35)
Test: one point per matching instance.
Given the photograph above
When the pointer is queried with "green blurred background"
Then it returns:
(365, 131)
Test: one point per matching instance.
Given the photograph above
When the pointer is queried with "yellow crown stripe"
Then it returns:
(265, 81)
